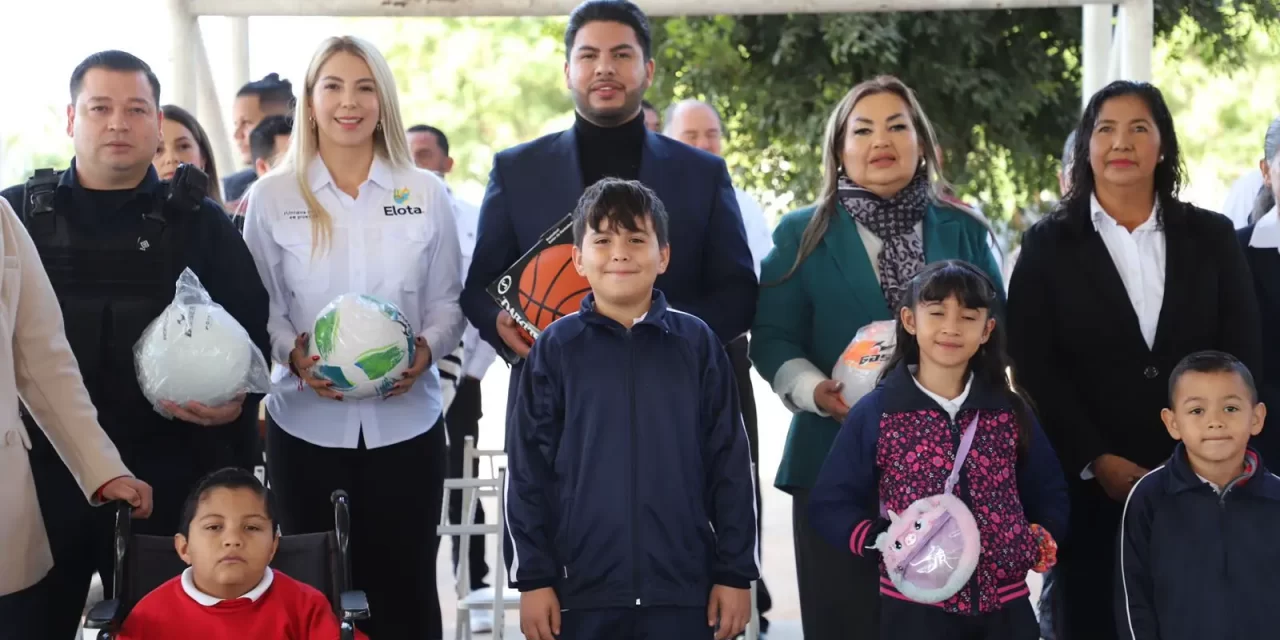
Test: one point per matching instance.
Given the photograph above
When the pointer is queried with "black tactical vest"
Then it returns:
(111, 283)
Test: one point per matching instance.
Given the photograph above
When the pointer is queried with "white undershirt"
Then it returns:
(1140, 258)
(1266, 233)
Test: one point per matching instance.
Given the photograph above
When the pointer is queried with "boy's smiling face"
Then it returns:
(1213, 415)
(621, 264)
(230, 543)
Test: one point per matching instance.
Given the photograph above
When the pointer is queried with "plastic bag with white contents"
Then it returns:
(197, 352)
(860, 364)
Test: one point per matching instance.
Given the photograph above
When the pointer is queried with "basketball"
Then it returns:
(550, 288)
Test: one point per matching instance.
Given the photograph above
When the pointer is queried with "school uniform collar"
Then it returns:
(1101, 219)
(902, 393)
(379, 173)
(657, 316)
(1266, 231)
(1255, 480)
(950, 405)
(206, 600)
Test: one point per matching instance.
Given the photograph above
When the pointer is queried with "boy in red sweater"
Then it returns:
(228, 536)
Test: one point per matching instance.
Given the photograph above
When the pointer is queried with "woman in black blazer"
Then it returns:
(1261, 242)
(1110, 292)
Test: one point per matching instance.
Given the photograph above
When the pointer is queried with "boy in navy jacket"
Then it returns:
(1198, 551)
(630, 504)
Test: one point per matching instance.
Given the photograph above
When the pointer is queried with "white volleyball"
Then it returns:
(194, 352)
(364, 343)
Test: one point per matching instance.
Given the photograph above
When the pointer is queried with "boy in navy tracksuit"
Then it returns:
(630, 502)
(1199, 556)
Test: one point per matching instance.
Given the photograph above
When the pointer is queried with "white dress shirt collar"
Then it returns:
(1266, 233)
(379, 173)
(205, 600)
(951, 406)
(1102, 219)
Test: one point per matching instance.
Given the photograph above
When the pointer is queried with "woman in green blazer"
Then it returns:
(836, 266)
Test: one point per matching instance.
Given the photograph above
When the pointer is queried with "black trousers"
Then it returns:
(1050, 606)
(462, 420)
(839, 592)
(395, 496)
(657, 623)
(738, 357)
(901, 620)
(1086, 571)
(81, 536)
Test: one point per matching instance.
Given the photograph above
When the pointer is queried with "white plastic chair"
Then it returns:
(474, 488)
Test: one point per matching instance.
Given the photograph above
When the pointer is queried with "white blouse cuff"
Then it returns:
(795, 383)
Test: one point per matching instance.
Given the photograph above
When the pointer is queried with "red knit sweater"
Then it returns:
(289, 610)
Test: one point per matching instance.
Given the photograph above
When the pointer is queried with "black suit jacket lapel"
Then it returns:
(1179, 253)
(654, 169)
(1095, 261)
(561, 176)
(1265, 264)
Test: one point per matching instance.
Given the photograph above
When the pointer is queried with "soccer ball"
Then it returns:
(193, 352)
(364, 343)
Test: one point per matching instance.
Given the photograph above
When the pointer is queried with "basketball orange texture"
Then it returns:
(550, 288)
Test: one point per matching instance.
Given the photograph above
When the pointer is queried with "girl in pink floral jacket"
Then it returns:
(900, 442)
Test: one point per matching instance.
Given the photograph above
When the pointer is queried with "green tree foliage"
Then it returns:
(1001, 87)
(42, 144)
(1221, 117)
(487, 83)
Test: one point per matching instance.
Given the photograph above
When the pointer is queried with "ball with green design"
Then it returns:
(365, 345)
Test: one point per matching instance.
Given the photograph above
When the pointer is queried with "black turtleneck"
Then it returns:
(609, 151)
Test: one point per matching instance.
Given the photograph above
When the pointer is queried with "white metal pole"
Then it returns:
(239, 52)
(183, 26)
(1139, 39)
(404, 8)
(1095, 49)
(210, 112)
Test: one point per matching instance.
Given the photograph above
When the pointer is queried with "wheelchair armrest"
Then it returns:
(103, 615)
(354, 605)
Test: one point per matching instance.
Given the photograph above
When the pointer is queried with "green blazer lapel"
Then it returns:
(849, 253)
(942, 237)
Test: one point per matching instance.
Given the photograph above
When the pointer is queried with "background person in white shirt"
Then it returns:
(318, 227)
(698, 124)
(430, 149)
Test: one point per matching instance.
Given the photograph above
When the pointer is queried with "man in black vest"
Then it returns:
(114, 239)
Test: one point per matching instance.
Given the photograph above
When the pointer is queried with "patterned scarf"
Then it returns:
(893, 221)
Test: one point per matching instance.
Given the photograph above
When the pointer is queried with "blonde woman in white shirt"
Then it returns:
(348, 212)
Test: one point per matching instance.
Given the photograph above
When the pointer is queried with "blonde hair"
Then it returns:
(833, 145)
(388, 140)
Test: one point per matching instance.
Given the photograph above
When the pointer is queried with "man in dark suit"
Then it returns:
(608, 67)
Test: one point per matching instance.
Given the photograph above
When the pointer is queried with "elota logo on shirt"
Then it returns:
(401, 196)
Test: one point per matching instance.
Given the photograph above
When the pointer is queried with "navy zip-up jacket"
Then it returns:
(629, 477)
(1196, 564)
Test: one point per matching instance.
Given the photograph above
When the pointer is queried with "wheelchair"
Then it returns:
(321, 560)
